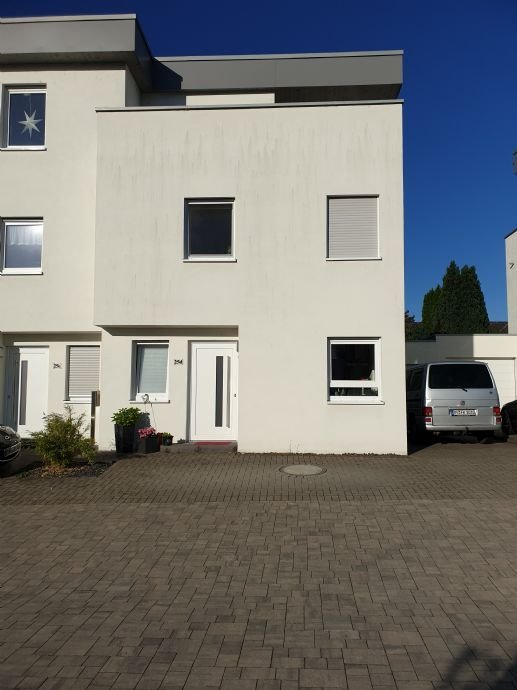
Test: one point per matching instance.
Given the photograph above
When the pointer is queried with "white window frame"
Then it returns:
(7, 105)
(22, 270)
(77, 398)
(153, 397)
(218, 258)
(327, 243)
(339, 383)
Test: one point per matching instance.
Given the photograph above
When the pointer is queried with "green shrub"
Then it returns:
(126, 416)
(62, 439)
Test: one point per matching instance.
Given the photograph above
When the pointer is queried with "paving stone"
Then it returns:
(217, 571)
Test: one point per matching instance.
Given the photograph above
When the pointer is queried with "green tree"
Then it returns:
(457, 305)
(452, 303)
(412, 328)
(475, 316)
(431, 311)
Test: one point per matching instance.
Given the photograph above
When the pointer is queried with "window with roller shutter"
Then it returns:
(83, 371)
(352, 227)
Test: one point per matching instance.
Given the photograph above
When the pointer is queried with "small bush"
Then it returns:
(62, 439)
(126, 416)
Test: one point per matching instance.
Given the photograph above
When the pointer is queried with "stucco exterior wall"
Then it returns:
(286, 299)
(482, 346)
(511, 281)
(57, 372)
(116, 376)
(58, 185)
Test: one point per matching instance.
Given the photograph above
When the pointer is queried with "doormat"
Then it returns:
(213, 443)
(302, 470)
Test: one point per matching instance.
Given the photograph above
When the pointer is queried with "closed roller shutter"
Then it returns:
(83, 370)
(353, 228)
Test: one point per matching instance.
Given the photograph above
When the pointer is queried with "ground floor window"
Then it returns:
(83, 372)
(150, 371)
(354, 369)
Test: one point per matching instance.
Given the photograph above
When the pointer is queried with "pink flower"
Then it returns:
(148, 431)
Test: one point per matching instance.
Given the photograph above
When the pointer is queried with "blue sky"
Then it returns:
(460, 115)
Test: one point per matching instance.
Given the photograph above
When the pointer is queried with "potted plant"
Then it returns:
(125, 421)
(148, 440)
(167, 438)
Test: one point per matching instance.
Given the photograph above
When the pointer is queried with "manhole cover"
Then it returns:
(302, 470)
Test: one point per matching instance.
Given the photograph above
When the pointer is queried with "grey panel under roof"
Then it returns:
(118, 39)
(49, 40)
(283, 72)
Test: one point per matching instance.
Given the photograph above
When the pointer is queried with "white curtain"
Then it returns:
(26, 235)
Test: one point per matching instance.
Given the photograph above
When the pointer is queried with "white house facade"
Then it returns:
(218, 241)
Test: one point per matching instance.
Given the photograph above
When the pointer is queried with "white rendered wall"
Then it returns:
(57, 373)
(57, 184)
(117, 351)
(511, 281)
(286, 299)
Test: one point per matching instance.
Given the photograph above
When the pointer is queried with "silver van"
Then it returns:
(452, 397)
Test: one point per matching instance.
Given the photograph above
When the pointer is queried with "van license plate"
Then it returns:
(463, 413)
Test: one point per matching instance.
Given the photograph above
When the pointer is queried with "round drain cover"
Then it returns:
(302, 470)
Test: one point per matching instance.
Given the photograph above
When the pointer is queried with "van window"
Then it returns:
(459, 376)
(415, 383)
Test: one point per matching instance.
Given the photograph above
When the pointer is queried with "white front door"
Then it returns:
(26, 388)
(213, 391)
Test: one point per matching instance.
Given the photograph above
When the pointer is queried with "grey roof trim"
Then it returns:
(510, 233)
(280, 56)
(65, 18)
(247, 106)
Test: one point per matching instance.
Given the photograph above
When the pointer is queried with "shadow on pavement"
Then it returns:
(496, 677)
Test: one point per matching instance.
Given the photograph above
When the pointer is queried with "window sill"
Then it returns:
(78, 401)
(355, 401)
(19, 272)
(211, 260)
(366, 258)
(23, 148)
(150, 402)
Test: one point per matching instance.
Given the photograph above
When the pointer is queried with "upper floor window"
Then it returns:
(25, 121)
(21, 246)
(209, 229)
(352, 227)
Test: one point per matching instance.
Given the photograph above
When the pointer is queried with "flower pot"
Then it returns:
(150, 444)
(167, 440)
(124, 439)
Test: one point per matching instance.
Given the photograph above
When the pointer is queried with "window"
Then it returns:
(83, 372)
(209, 230)
(150, 371)
(352, 227)
(25, 121)
(462, 376)
(21, 246)
(354, 370)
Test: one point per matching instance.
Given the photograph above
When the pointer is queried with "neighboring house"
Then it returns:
(216, 240)
(511, 279)
(499, 351)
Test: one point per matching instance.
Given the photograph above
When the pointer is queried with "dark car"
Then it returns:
(10, 444)
(509, 418)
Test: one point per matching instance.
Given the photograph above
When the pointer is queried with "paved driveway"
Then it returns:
(218, 571)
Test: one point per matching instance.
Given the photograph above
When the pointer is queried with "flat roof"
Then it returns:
(118, 38)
